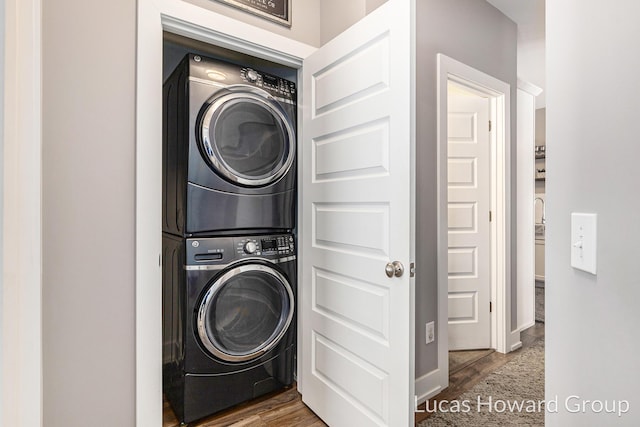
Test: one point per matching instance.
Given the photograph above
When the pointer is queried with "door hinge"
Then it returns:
(490, 216)
(490, 307)
(489, 125)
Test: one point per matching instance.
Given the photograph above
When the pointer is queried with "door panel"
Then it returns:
(469, 198)
(357, 324)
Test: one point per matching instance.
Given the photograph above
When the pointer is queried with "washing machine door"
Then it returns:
(245, 312)
(247, 137)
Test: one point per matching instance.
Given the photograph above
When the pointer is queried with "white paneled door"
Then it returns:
(469, 202)
(356, 337)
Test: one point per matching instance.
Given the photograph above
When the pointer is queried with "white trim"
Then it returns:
(429, 385)
(22, 217)
(530, 88)
(185, 19)
(525, 194)
(524, 327)
(515, 340)
(500, 93)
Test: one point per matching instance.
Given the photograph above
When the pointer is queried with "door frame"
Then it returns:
(499, 93)
(525, 219)
(185, 19)
(21, 205)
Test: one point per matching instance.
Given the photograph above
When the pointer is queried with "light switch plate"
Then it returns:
(584, 241)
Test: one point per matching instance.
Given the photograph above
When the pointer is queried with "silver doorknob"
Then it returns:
(394, 268)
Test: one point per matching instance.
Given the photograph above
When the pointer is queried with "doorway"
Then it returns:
(187, 20)
(469, 196)
(497, 309)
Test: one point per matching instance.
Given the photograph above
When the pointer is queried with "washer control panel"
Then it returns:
(223, 250)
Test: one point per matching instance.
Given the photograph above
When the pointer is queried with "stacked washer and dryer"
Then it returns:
(229, 257)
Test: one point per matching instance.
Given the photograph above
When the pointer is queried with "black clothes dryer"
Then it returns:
(229, 149)
(229, 322)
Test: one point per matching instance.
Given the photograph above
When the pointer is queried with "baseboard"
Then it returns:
(514, 339)
(428, 386)
(527, 326)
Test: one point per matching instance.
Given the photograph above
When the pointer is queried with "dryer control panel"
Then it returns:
(277, 85)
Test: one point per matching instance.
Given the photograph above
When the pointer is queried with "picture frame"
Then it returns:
(278, 11)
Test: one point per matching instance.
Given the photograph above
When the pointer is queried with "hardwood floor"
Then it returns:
(279, 409)
(285, 408)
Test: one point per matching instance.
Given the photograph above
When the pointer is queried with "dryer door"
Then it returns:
(245, 312)
(247, 137)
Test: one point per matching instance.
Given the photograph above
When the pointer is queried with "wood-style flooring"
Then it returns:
(285, 408)
(279, 409)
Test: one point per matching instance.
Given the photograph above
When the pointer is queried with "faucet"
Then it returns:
(543, 208)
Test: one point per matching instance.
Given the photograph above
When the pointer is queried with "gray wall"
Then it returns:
(374, 4)
(334, 23)
(592, 161)
(338, 15)
(477, 34)
(88, 212)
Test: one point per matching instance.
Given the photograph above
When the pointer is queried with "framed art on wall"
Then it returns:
(274, 10)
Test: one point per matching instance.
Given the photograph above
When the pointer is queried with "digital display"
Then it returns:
(268, 245)
(270, 80)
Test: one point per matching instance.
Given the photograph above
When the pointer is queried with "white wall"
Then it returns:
(593, 148)
(2, 41)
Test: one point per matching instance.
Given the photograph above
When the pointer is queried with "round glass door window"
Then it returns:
(247, 137)
(245, 312)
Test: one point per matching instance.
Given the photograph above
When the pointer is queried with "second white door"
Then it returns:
(469, 203)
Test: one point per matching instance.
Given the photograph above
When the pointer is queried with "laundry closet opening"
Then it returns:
(229, 220)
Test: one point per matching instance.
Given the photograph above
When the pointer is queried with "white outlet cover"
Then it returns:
(430, 333)
(584, 242)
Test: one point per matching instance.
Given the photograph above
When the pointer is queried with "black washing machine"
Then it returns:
(228, 320)
(229, 151)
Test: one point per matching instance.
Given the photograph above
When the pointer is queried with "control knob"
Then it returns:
(252, 75)
(250, 247)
